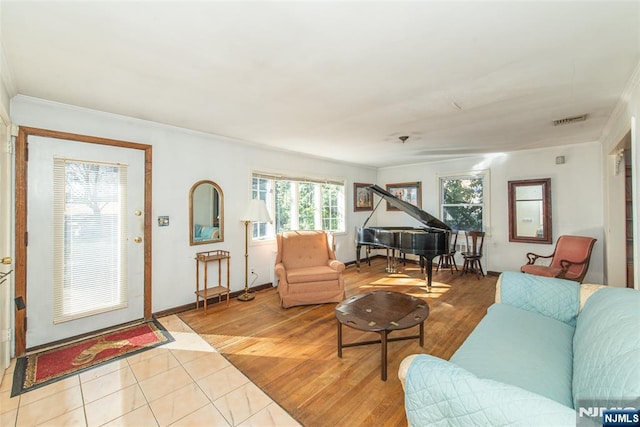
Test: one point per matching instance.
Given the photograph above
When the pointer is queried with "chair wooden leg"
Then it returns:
(477, 266)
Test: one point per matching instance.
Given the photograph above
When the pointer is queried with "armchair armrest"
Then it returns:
(565, 264)
(531, 257)
(337, 265)
(438, 392)
(281, 273)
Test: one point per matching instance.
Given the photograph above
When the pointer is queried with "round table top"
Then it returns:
(382, 310)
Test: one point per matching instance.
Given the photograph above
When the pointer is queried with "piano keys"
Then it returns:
(427, 242)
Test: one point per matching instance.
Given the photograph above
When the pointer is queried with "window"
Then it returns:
(462, 201)
(90, 228)
(298, 204)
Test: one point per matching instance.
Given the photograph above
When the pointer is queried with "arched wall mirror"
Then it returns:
(530, 211)
(206, 213)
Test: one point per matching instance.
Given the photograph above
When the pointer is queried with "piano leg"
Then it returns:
(391, 262)
(358, 248)
(429, 267)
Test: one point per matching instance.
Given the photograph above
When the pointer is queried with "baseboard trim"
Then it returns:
(214, 300)
(210, 301)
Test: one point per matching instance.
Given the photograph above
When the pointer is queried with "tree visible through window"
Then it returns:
(299, 204)
(89, 233)
(462, 202)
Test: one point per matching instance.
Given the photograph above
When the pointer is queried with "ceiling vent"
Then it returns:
(568, 120)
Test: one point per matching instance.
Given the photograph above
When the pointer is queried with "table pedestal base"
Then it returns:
(384, 339)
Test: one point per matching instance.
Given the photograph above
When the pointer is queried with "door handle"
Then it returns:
(7, 260)
(137, 239)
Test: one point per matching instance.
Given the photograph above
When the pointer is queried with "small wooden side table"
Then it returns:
(207, 292)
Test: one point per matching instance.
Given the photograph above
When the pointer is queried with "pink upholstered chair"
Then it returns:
(569, 260)
(307, 269)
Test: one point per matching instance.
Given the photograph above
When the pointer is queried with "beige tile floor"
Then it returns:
(183, 383)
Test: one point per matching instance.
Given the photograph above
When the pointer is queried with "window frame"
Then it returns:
(483, 174)
(269, 196)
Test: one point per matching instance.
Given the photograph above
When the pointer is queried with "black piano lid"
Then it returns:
(414, 211)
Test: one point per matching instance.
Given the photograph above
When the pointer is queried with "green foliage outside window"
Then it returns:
(462, 203)
(300, 205)
(283, 205)
(306, 206)
(330, 208)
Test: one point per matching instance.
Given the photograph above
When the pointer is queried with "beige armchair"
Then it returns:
(307, 269)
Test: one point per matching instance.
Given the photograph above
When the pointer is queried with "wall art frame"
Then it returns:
(410, 192)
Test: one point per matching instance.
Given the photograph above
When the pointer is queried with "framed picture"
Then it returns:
(410, 192)
(362, 197)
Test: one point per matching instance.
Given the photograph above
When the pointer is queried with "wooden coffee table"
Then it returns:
(381, 312)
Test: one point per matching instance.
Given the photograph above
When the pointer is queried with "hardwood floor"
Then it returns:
(291, 354)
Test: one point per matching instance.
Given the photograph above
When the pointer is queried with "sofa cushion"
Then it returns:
(522, 348)
(312, 274)
(439, 393)
(557, 298)
(607, 347)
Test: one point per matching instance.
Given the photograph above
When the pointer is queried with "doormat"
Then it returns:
(45, 367)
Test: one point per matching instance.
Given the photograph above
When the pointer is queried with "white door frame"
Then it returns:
(21, 237)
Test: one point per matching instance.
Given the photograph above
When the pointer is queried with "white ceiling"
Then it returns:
(336, 79)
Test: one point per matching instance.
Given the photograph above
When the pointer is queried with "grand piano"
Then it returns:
(427, 242)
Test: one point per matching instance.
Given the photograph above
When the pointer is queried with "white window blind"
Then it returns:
(90, 230)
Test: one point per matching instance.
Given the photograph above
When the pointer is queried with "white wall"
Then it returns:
(180, 158)
(5, 76)
(576, 192)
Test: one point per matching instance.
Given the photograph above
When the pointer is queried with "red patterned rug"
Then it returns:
(42, 368)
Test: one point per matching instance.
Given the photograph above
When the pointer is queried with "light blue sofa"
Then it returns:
(538, 357)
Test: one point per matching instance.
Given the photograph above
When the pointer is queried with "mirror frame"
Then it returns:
(192, 241)
(547, 235)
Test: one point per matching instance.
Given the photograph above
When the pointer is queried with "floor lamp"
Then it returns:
(256, 212)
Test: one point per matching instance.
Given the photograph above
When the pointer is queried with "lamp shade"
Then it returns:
(256, 212)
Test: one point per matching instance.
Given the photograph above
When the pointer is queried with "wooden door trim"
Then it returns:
(21, 219)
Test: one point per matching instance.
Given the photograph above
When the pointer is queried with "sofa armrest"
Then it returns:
(549, 296)
(586, 290)
(438, 392)
(404, 368)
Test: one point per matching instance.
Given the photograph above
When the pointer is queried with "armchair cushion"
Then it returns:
(311, 274)
(541, 270)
